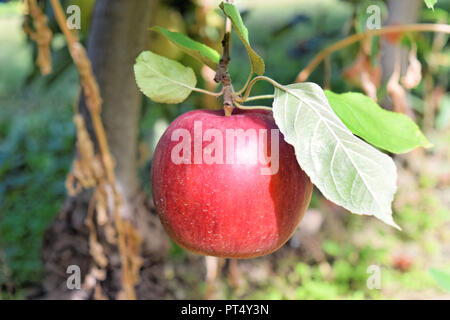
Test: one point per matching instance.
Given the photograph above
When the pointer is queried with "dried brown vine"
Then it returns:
(91, 169)
(41, 34)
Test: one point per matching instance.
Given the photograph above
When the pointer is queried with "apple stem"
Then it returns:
(222, 74)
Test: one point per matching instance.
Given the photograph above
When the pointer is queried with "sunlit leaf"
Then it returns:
(384, 129)
(430, 3)
(198, 50)
(347, 170)
(163, 80)
(233, 13)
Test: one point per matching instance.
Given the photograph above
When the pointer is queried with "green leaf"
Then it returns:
(387, 130)
(198, 50)
(441, 277)
(347, 171)
(163, 80)
(430, 3)
(232, 12)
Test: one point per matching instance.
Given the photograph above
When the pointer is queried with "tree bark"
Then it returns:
(118, 35)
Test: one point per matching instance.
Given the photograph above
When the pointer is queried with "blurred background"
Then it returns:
(329, 256)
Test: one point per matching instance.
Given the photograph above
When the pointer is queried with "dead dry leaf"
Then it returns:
(363, 74)
(413, 74)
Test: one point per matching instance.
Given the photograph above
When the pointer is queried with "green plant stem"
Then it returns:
(256, 79)
(266, 96)
(249, 88)
(246, 82)
(240, 106)
(214, 94)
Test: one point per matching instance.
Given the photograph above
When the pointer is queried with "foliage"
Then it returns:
(162, 79)
(205, 54)
(231, 12)
(390, 131)
(346, 170)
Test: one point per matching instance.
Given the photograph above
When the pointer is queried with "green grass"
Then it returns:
(36, 148)
(15, 58)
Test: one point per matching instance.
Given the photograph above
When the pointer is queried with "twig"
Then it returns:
(222, 74)
(304, 74)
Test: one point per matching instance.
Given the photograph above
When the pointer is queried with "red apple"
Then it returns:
(228, 203)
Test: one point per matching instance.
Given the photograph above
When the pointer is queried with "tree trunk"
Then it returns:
(119, 32)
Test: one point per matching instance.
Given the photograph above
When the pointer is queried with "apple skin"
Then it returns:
(228, 210)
